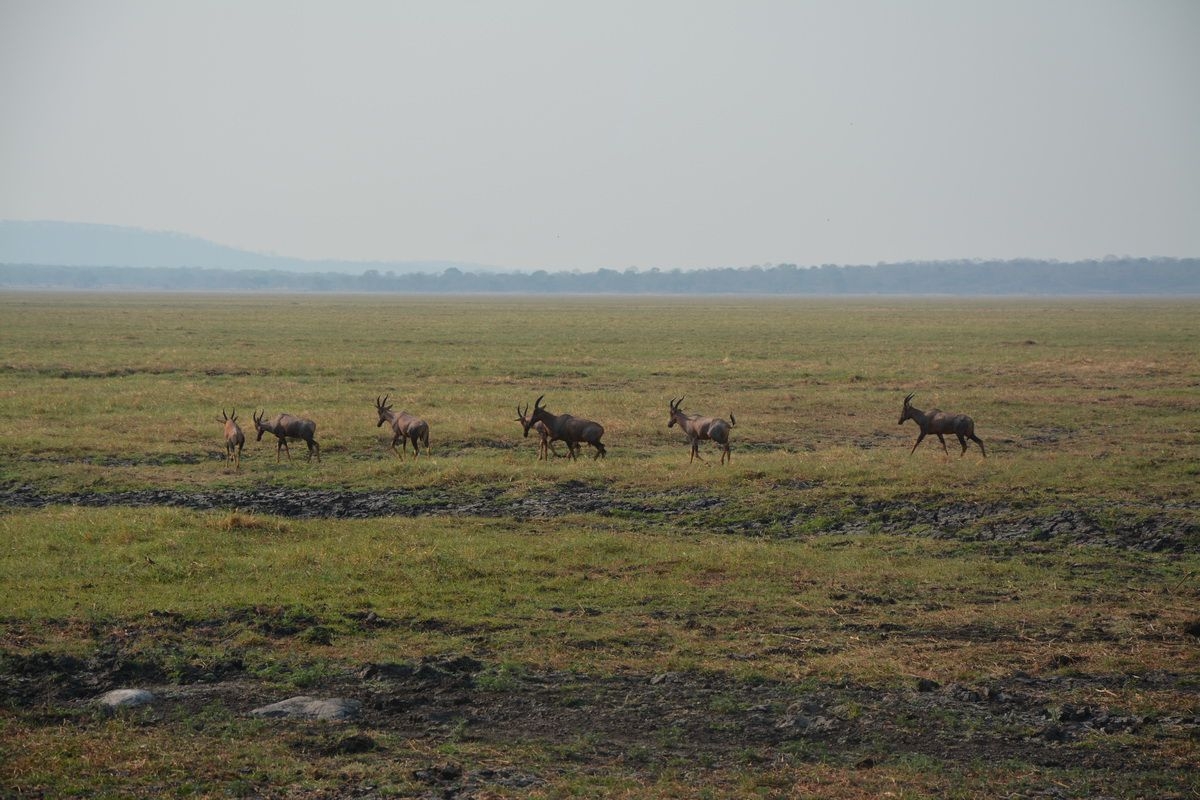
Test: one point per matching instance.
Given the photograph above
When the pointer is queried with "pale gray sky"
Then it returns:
(572, 135)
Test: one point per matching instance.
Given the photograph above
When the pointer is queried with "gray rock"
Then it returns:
(125, 698)
(803, 724)
(335, 708)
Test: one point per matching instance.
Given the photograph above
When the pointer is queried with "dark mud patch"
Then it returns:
(571, 497)
(1157, 529)
(713, 717)
(291, 503)
(72, 373)
(647, 722)
(1147, 529)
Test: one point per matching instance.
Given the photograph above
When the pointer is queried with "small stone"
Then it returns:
(356, 744)
(966, 695)
(798, 722)
(1053, 733)
(334, 709)
(439, 774)
(812, 726)
(125, 698)
(1070, 713)
(1060, 660)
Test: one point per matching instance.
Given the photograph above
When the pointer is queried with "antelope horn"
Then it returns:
(538, 403)
(908, 399)
(233, 416)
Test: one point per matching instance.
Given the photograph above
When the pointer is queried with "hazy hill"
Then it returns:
(74, 244)
(1119, 277)
(55, 255)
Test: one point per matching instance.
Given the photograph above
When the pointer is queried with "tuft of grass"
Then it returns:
(236, 521)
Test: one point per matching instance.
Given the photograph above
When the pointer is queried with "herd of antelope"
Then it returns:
(572, 431)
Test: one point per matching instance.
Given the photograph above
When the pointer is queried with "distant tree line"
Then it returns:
(1159, 276)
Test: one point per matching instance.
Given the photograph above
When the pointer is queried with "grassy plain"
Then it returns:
(1094, 398)
(796, 577)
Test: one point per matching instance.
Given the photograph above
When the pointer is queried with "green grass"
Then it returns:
(121, 391)
(1085, 405)
(582, 594)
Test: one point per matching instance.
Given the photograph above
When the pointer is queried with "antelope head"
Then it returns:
(383, 408)
(906, 411)
(674, 410)
(523, 418)
(259, 426)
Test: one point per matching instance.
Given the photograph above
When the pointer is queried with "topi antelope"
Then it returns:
(938, 423)
(567, 428)
(699, 428)
(405, 427)
(234, 438)
(546, 445)
(285, 427)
